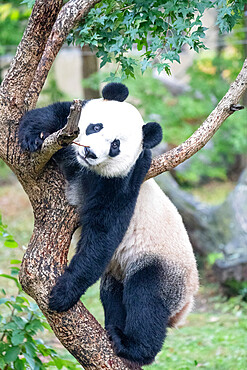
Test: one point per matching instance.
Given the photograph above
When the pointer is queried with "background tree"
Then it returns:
(161, 31)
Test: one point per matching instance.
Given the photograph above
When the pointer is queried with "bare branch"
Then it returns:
(69, 15)
(29, 51)
(59, 139)
(226, 107)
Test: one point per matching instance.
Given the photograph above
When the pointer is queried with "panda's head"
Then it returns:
(113, 133)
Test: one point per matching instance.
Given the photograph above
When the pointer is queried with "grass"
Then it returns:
(210, 341)
(214, 337)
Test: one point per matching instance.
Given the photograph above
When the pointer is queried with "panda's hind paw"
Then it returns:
(64, 294)
(130, 349)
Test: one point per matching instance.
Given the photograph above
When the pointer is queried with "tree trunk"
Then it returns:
(55, 220)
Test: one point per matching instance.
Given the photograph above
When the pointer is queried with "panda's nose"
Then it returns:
(89, 153)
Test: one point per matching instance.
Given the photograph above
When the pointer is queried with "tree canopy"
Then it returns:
(158, 29)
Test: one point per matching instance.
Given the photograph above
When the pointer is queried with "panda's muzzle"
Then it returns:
(89, 153)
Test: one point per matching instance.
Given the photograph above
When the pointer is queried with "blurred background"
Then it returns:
(209, 190)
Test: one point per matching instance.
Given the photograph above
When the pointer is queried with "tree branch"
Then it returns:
(204, 133)
(29, 51)
(69, 15)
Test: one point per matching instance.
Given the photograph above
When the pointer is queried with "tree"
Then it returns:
(55, 220)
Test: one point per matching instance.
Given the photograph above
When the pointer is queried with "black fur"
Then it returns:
(111, 295)
(136, 316)
(152, 135)
(115, 91)
(37, 124)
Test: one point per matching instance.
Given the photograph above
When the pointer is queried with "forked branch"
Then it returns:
(69, 15)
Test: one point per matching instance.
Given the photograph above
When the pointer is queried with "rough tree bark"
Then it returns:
(55, 219)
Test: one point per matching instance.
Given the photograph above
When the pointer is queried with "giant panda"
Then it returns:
(132, 235)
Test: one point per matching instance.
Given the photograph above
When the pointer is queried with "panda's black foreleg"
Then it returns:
(89, 263)
(111, 295)
(39, 123)
(140, 170)
(146, 318)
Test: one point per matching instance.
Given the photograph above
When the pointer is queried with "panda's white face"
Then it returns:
(112, 131)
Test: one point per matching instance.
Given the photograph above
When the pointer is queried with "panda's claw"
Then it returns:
(33, 142)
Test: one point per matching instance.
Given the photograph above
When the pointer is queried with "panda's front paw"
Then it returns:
(32, 141)
(65, 294)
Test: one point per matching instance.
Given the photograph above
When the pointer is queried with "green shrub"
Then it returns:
(20, 322)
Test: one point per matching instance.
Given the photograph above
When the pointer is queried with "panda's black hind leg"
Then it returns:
(146, 317)
(111, 295)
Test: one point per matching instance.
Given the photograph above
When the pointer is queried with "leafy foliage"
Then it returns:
(229, 13)
(13, 19)
(5, 238)
(234, 287)
(20, 321)
(158, 30)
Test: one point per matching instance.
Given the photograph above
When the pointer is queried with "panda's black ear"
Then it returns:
(152, 135)
(115, 91)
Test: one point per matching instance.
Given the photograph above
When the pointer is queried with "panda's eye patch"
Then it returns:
(114, 150)
(93, 128)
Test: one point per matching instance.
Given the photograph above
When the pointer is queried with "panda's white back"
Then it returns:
(157, 230)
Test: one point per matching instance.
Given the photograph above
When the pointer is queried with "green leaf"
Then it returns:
(2, 363)
(34, 325)
(12, 278)
(10, 242)
(30, 349)
(4, 300)
(58, 362)
(10, 325)
(20, 321)
(15, 262)
(30, 360)
(17, 337)
(47, 326)
(19, 364)
(15, 271)
(11, 354)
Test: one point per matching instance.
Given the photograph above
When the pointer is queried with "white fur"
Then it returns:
(120, 121)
